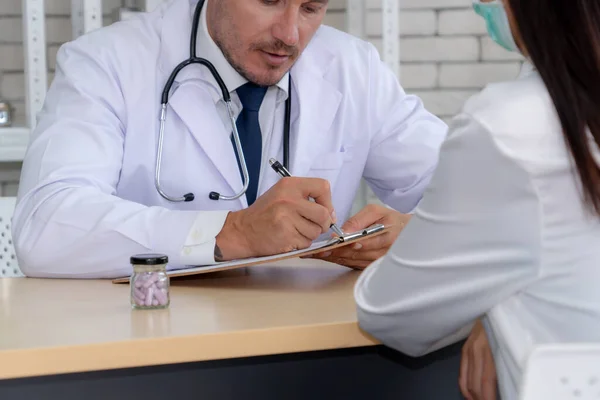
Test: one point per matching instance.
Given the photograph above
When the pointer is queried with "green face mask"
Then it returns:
(497, 23)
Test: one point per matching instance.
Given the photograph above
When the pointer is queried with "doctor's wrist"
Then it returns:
(231, 242)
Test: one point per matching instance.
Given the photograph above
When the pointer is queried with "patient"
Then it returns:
(509, 229)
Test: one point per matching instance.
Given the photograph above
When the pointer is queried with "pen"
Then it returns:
(284, 173)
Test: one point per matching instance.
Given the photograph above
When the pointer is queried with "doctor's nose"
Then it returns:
(286, 29)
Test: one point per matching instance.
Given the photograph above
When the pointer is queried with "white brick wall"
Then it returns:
(445, 53)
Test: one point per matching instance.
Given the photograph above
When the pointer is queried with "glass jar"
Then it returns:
(5, 113)
(149, 283)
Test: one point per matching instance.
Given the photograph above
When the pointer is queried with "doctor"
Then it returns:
(104, 178)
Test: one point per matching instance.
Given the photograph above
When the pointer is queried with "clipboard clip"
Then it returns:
(364, 232)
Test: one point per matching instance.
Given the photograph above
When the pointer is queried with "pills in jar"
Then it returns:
(149, 281)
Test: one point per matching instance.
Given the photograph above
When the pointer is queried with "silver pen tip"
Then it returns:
(272, 161)
(337, 230)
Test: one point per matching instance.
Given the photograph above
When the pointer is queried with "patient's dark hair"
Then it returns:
(562, 39)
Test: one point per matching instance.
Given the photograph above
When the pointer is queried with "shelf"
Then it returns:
(124, 14)
(13, 143)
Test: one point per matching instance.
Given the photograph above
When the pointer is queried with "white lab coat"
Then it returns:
(501, 233)
(87, 199)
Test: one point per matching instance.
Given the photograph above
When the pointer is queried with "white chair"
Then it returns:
(9, 266)
(562, 371)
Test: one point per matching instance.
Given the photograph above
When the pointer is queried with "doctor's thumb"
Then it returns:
(359, 221)
(351, 225)
(371, 214)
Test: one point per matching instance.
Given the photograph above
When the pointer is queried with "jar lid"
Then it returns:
(149, 259)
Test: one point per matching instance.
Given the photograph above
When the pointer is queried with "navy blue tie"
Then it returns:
(251, 96)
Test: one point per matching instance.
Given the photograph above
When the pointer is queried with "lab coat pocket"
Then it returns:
(332, 160)
(329, 165)
(328, 161)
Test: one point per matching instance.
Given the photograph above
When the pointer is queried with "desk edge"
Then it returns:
(27, 363)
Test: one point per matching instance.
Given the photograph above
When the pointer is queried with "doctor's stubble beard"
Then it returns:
(223, 20)
(271, 47)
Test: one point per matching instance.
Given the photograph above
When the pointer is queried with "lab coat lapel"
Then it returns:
(194, 105)
(316, 105)
(193, 98)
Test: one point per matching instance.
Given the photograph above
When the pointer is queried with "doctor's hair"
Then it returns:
(562, 39)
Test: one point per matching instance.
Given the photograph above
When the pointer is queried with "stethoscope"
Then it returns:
(238, 145)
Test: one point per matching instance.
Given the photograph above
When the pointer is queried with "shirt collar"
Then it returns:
(527, 69)
(208, 49)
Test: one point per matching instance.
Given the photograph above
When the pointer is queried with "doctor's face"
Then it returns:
(262, 39)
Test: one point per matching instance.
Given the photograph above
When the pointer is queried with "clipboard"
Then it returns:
(318, 247)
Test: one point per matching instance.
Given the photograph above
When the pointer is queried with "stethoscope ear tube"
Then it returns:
(167, 89)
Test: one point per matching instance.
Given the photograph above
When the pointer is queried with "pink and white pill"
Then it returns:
(149, 296)
(161, 296)
(150, 281)
(138, 301)
(139, 294)
(161, 284)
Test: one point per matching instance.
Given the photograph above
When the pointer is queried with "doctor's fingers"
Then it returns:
(354, 264)
(307, 229)
(315, 213)
(368, 249)
(355, 259)
(318, 189)
(382, 241)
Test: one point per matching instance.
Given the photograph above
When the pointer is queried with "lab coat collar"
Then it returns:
(315, 99)
(527, 69)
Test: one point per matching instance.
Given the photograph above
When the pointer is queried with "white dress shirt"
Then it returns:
(501, 233)
(198, 243)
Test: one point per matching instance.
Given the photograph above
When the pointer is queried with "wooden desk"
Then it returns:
(55, 327)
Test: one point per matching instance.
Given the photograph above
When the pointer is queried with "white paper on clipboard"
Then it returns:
(315, 247)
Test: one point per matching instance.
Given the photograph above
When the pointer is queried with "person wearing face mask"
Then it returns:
(507, 232)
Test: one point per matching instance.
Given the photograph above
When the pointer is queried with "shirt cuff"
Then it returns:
(410, 212)
(199, 246)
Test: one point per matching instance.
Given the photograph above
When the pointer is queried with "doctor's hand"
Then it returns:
(361, 255)
(477, 378)
(281, 220)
